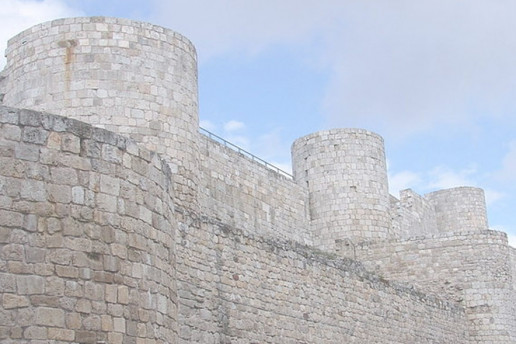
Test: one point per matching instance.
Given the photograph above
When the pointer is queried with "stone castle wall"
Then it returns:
(471, 268)
(92, 252)
(412, 215)
(240, 288)
(87, 230)
(246, 195)
(131, 227)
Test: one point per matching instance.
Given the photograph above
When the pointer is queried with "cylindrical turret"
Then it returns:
(346, 176)
(129, 77)
(459, 209)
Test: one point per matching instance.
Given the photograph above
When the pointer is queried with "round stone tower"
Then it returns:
(346, 176)
(459, 209)
(129, 77)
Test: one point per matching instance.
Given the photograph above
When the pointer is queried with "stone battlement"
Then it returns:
(121, 223)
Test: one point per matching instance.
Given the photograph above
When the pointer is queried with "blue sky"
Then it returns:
(436, 79)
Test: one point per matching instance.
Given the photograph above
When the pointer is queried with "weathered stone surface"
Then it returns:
(14, 301)
(131, 227)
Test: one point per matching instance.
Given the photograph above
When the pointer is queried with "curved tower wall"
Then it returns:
(129, 77)
(346, 176)
(459, 209)
(87, 230)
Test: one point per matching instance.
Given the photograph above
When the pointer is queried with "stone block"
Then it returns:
(54, 141)
(31, 118)
(12, 252)
(34, 135)
(10, 218)
(49, 317)
(73, 321)
(111, 293)
(78, 195)
(14, 301)
(83, 306)
(85, 337)
(67, 271)
(10, 167)
(27, 285)
(64, 175)
(30, 223)
(123, 295)
(107, 203)
(33, 190)
(119, 325)
(61, 334)
(109, 185)
(45, 300)
(71, 143)
(60, 193)
(35, 255)
(35, 332)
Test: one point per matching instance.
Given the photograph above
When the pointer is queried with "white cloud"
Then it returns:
(239, 141)
(284, 166)
(512, 240)
(493, 196)
(396, 67)
(403, 180)
(442, 177)
(244, 26)
(407, 66)
(233, 126)
(18, 15)
(439, 178)
(508, 171)
(208, 125)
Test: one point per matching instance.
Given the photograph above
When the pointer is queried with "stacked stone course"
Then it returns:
(120, 223)
(86, 234)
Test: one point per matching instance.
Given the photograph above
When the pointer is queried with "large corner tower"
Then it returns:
(132, 78)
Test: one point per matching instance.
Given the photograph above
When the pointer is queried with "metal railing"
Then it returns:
(244, 152)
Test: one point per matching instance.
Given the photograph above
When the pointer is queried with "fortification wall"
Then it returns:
(129, 77)
(245, 194)
(3, 81)
(102, 240)
(412, 215)
(470, 268)
(239, 288)
(86, 235)
(512, 252)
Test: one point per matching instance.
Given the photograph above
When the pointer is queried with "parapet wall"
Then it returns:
(86, 235)
(246, 195)
(470, 268)
(240, 288)
(91, 251)
(413, 215)
(512, 252)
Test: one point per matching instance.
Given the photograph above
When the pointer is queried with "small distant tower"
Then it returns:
(459, 209)
(346, 176)
(129, 77)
